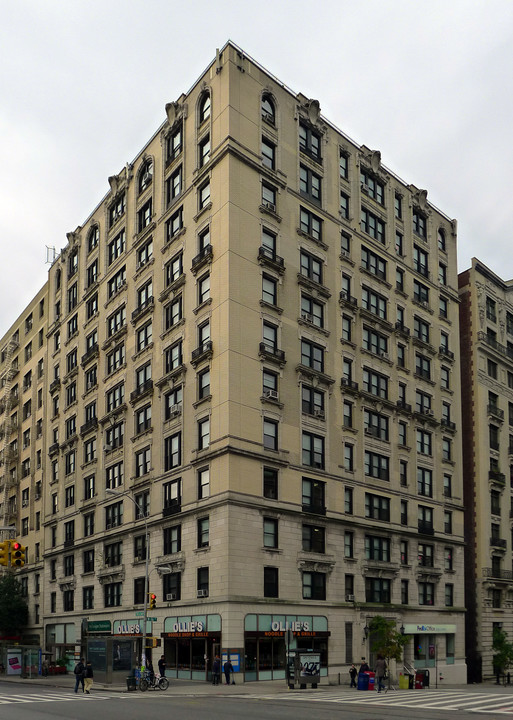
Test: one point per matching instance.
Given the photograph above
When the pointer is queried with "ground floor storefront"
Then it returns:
(257, 644)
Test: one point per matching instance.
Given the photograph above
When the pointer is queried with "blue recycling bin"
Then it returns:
(363, 682)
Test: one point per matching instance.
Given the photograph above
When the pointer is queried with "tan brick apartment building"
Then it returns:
(486, 327)
(253, 336)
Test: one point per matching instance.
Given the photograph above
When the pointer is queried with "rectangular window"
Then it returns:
(377, 466)
(372, 187)
(314, 539)
(309, 142)
(268, 153)
(377, 548)
(270, 483)
(314, 586)
(203, 532)
(310, 224)
(310, 184)
(377, 507)
(313, 496)
(312, 355)
(377, 590)
(311, 267)
(172, 539)
(116, 247)
(374, 303)
(172, 451)
(175, 224)
(173, 403)
(270, 582)
(313, 450)
(270, 533)
(203, 433)
(372, 225)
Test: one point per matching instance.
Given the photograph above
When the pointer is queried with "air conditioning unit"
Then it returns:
(319, 413)
(139, 558)
(350, 598)
(175, 410)
(269, 205)
(429, 412)
(368, 431)
(307, 316)
(170, 596)
(107, 448)
(384, 355)
(425, 304)
(345, 253)
(271, 394)
(202, 593)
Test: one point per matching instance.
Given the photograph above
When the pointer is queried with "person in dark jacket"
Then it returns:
(353, 672)
(216, 671)
(380, 670)
(364, 667)
(228, 671)
(79, 674)
(88, 677)
(162, 666)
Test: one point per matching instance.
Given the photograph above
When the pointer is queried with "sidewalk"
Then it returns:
(273, 687)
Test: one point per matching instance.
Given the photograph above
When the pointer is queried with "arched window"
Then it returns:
(268, 109)
(204, 108)
(441, 239)
(93, 238)
(145, 175)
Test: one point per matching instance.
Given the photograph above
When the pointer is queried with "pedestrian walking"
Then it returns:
(216, 670)
(162, 666)
(380, 670)
(88, 677)
(353, 672)
(79, 674)
(228, 671)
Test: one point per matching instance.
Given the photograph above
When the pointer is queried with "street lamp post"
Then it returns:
(142, 512)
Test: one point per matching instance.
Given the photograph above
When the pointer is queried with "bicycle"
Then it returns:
(162, 683)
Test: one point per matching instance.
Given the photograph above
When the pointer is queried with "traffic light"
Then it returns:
(17, 554)
(4, 552)
(156, 642)
(153, 601)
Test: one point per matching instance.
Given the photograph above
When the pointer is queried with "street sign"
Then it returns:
(152, 619)
(139, 613)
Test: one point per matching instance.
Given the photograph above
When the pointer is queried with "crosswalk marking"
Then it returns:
(423, 699)
(14, 698)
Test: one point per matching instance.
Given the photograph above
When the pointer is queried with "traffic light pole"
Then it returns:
(146, 585)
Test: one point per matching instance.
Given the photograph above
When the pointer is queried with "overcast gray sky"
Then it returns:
(83, 85)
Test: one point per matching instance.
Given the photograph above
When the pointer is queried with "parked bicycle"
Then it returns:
(162, 683)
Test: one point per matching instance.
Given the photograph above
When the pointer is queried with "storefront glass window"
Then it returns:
(449, 649)
(425, 650)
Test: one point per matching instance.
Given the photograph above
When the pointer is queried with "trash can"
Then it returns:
(131, 683)
(363, 682)
(404, 683)
(372, 679)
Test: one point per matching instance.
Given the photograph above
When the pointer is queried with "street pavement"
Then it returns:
(273, 698)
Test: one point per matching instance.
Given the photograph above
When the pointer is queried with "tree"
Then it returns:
(386, 640)
(13, 606)
(503, 651)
